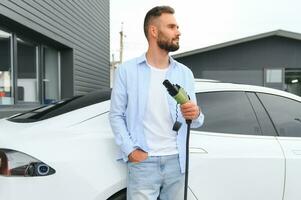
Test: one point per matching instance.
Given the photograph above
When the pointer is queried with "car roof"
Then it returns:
(206, 86)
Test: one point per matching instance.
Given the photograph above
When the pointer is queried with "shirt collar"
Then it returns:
(142, 59)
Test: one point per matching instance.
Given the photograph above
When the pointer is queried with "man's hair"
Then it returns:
(154, 13)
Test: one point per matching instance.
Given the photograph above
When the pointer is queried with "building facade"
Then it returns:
(51, 50)
(270, 59)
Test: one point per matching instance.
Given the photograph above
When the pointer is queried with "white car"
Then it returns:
(248, 148)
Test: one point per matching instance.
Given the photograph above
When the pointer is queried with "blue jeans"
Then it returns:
(157, 177)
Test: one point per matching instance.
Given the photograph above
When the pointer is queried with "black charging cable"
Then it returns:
(176, 128)
(188, 122)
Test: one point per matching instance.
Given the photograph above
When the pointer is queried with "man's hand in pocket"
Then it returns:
(138, 155)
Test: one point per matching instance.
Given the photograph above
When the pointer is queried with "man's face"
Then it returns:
(168, 33)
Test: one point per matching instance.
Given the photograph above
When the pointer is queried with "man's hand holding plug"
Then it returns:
(190, 110)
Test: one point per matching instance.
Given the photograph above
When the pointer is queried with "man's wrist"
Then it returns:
(199, 112)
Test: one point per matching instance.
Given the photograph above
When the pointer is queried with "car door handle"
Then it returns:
(297, 152)
(197, 150)
(298, 120)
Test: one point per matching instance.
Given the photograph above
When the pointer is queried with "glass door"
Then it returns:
(51, 75)
(27, 75)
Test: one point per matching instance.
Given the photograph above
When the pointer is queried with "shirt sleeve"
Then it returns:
(198, 122)
(119, 101)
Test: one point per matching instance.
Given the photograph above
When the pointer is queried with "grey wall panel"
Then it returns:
(82, 25)
(67, 73)
(13, 11)
(270, 52)
(251, 77)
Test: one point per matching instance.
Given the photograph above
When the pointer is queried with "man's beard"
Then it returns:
(169, 46)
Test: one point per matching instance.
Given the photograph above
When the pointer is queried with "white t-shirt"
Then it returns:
(160, 137)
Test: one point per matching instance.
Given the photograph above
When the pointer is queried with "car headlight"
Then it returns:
(15, 163)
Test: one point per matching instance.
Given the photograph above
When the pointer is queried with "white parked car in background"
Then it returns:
(248, 148)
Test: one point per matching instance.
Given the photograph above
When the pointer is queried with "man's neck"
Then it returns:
(157, 58)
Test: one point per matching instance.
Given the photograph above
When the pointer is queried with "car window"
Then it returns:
(263, 118)
(284, 112)
(228, 112)
(61, 107)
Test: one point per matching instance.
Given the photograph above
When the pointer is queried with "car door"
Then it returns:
(231, 158)
(286, 116)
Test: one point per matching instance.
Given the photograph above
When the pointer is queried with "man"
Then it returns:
(142, 113)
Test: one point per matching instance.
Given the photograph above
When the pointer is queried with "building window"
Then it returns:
(293, 80)
(274, 75)
(29, 71)
(6, 92)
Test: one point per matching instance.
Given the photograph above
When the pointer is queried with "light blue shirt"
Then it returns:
(129, 99)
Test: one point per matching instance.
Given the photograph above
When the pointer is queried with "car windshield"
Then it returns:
(61, 107)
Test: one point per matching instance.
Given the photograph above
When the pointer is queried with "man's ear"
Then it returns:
(153, 31)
